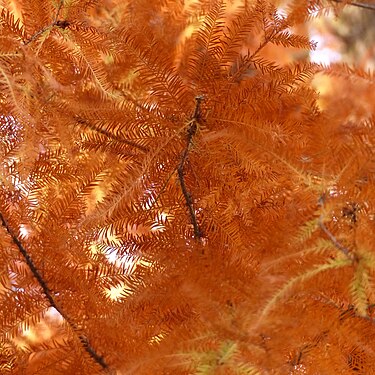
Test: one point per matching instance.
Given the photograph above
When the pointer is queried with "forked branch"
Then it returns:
(55, 22)
(49, 295)
(191, 131)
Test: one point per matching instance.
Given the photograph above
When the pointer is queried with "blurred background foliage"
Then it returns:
(349, 36)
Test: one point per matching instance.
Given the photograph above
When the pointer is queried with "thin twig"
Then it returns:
(58, 11)
(111, 136)
(333, 239)
(54, 23)
(48, 293)
(191, 131)
(357, 4)
(40, 32)
(349, 311)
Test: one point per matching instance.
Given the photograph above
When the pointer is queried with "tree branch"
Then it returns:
(111, 136)
(58, 11)
(333, 239)
(55, 22)
(357, 4)
(191, 131)
(49, 295)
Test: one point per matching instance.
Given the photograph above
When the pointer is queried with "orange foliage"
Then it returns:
(176, 197)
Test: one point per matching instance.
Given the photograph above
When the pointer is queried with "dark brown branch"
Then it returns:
(357, 4)
(49, 295)
(191, 131)
(111, 136)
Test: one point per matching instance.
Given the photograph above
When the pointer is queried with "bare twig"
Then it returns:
(191, 131)
(357, 4)
(54, 23)
(58, 11)
(49, 295)
(40, 32)
(333, 239)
